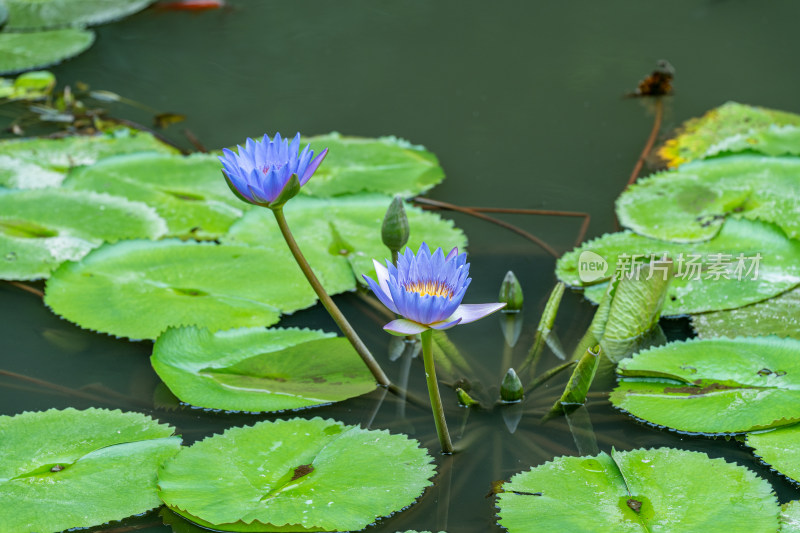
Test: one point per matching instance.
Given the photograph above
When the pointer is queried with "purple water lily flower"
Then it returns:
(261, 170)
(426, 290)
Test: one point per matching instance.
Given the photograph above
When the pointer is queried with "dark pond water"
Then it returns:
(521, 101)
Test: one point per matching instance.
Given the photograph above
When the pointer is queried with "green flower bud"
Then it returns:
(511, 293)
(511, 389)
(394, 231)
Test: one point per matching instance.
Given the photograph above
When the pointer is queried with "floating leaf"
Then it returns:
(138, 289)
(40, 229)
(35, 163)
(697, 135)
(43, 14)
(691, 203)
(772, 140)
(26, 51)
(70, 468)
(713, 386)
(306, 475)
(35, 85)
(790, 517)
(757, 259)
(638, 491)
(385, 165)
(779, 448)
(776, 316)
(188, 192)
(259, 369)
(345, 229)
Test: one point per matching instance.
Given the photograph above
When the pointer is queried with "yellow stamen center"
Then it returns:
(430, 288)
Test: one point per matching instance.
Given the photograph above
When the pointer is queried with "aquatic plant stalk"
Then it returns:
(328, 303)
(433, 392)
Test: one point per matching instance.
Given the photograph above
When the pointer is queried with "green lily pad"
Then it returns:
(3, 12)
(385, 165)
(790, 517)
(713, 386)
(259, 369)
(757, 259)
(691, 204)
(638, 491)
(40, 229)
(35, 163)
(70, 468)
(27, 51)
(346, 229)
(772, 140)
(295, 475)
(139, 288)
(43, 14)
(776, 316)
(779, 448)
(188, 192)
(698, 135)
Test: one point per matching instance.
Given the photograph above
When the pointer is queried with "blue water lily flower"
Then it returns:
(261, 170)
(426, 290)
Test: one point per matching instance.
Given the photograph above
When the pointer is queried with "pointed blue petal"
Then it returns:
(472, 312)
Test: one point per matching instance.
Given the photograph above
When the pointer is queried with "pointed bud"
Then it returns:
(394, 230)
(464, 398)
(511, 293)
(511, 389)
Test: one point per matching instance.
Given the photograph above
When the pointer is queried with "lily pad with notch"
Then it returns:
(638, 491)
(776, 316)
(295, 475)
(747, 262)
(43, 162)
(42, 228)
(691, 203)
(344, 229)
(259, 369)
(66, 469)
(31, 50)
(45, 14)
(779, 449)
(713, 386)
(188, 192)
(139, 288)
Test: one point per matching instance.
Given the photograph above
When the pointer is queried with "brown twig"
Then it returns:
(27, 288)
(53, 386)
(192, 138)
(467, 211)
(544, 212)
(651, 140)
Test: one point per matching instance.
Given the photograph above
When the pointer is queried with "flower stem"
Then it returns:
(327, 302)
(433, 391)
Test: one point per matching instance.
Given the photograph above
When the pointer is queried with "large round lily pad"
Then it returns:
(747, 262)
(139, 288)
(639, 491)
(385, 165)
(776, 316)
(779, 448)
(713, 386)
(346, 229)
(188, 192)
(27, 51)
(259, 369)
(691, 203)
(69, 469)
(295, 475)
(35, 163)
(699, 135)
(44, 14)
(42, 228)
(790, 517)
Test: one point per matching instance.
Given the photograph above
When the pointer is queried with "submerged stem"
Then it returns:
(433, 391)
(327, 302)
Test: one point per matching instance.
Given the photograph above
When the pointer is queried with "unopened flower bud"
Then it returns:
(394, 231)
(511, 389)
(511, 293)
(464, 398)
